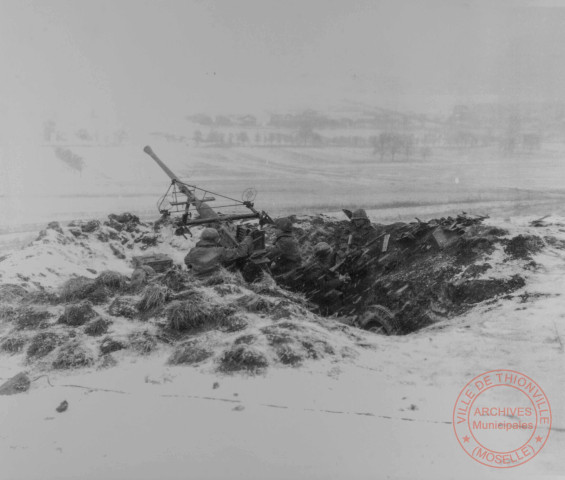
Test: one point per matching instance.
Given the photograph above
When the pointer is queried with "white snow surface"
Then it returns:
(384, 414)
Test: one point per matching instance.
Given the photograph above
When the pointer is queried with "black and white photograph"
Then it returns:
(282, 240)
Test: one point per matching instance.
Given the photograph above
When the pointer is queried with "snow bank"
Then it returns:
(380, 407)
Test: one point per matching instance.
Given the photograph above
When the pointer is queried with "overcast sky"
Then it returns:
(136, 62)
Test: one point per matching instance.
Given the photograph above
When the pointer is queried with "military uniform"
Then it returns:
(207, 256)
(362, 235)
(363, 251)
(284, 253)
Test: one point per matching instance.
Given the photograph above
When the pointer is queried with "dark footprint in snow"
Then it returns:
(239, 408)
(216, 385)
(63, 407)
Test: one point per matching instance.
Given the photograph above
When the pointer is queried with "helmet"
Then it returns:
(322, 249)
(359, 214)
(284, 224)
(210, 234)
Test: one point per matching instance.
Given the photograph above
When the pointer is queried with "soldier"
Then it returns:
(362, 232)
(208, 256)
(320, 284)
(285, 252)
(359, 260)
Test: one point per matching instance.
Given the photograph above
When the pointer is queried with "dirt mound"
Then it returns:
(428, 271)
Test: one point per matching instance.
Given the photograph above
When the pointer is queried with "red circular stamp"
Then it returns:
(502, 418)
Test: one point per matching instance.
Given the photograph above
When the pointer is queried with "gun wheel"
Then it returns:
(379, 319)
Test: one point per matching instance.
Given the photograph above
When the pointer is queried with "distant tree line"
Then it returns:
(223, 120)
(52, 134)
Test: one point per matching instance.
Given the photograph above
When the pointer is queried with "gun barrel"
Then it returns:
(149, 151)
(203, 209)
(224, 218)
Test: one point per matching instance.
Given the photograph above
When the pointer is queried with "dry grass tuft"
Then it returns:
(41, 296)
(190, 352)
(189, 294)
(98, 326)
(13, 344)
(290, 354)
(140, 277)
(125, 306)
(72, 355)
(176, 280)
(109, 345)
(107, 361)
(143, 342)
(247, 339)
(12, 293)
(223, 277)
(190, 315)
(317, 348)
(232, 323)
(221, 313)
(268, 286)
(112, 280)
(98, 295)
(7, 312)
(243, 358)
(77, 315)
(228, 289)
(77, 289)
(293, 343)
(82, 288)
(30, 319)
(255, 304)
(154, 296)
(42, 344)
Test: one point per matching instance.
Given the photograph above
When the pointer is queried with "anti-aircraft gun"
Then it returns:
(193, 203)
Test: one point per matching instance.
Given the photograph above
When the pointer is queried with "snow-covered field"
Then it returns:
(37, 187)
(384, 414)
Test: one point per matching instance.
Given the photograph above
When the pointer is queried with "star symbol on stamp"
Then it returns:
(539, 438)
(465, 438)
